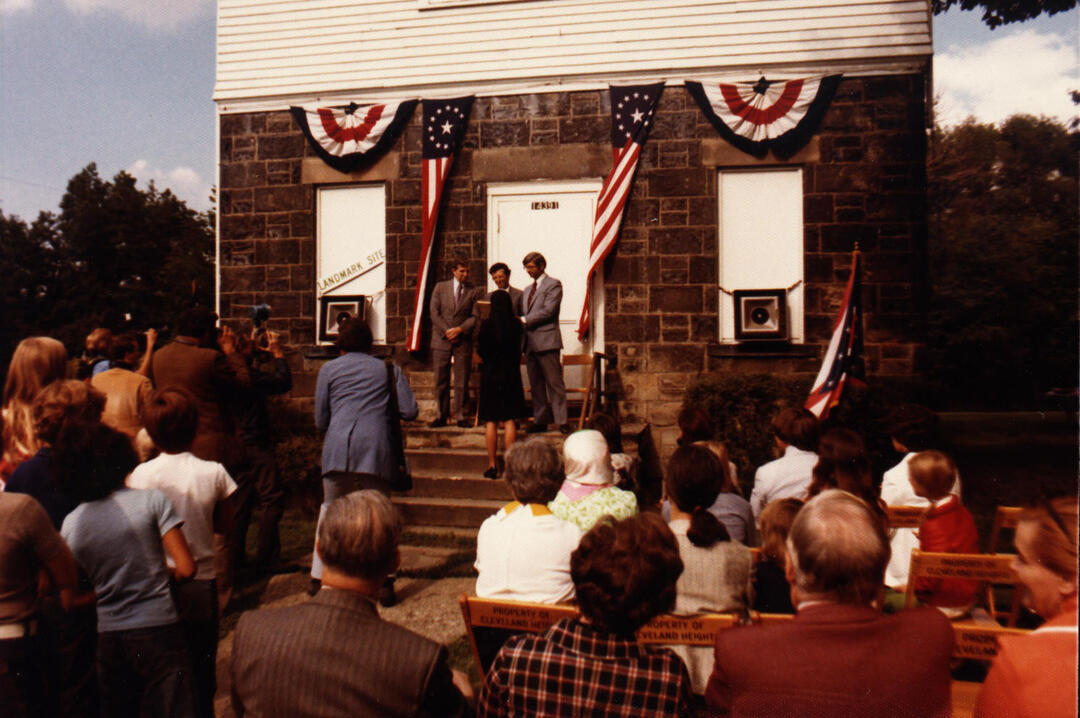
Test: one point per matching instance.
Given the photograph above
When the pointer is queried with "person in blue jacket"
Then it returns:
(350, 406)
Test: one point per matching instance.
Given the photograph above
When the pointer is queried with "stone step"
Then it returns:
(418, 436)
(460, 488)
(432, 511)
(447, 463)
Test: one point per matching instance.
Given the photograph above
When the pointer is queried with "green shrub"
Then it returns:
(742, 405)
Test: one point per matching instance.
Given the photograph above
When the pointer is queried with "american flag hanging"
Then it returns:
(843, 360)
(758, 116)
(347, 138)
(632, 110)
(443, 125)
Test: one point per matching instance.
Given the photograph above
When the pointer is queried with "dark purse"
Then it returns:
(400, 476)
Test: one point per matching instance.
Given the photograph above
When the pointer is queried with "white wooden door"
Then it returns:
(555, 219)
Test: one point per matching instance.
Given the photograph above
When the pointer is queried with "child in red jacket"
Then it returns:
(947, 527)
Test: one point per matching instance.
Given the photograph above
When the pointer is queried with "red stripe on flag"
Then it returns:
(434, 174)
(742, 108)
(609, 211)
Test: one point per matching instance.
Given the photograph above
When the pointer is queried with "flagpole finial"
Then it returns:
(856, 248)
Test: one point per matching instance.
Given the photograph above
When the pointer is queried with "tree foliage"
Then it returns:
(115, 256)
(1003, 260)
(1003, 12)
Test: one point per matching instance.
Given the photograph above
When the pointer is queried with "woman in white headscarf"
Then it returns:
(589, 491)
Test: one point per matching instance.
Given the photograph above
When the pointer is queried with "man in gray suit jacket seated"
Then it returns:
(452, 325)
(333, 655)
(540, 305)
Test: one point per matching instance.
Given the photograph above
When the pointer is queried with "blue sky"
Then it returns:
(127, 84)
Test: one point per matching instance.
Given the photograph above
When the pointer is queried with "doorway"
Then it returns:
(554, 218)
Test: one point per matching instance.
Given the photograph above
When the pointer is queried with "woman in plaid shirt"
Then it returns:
(624, 574)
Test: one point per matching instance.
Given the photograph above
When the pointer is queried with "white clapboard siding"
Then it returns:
(271, 52)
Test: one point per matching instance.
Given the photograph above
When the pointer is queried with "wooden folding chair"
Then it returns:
(584, 388)
(986, 568)
(905, 517)
(490, 621)
(1005, 519)
(980, 643)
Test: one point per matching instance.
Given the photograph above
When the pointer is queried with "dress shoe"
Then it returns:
(437, 423)
(387, 597)
(491, 473)
(536, 428)
(465, 424)
(565, 428)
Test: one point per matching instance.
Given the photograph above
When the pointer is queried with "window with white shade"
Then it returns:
(761, 241)
(350, 258)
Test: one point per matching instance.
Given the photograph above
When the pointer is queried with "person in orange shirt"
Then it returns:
(1035, 675)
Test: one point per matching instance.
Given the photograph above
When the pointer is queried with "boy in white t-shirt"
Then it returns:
(199, 492)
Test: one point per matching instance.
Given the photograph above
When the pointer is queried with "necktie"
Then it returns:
(532, 296)
(457, 297)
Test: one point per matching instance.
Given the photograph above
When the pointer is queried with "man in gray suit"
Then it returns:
(333, 655)
(452, 324)
(500, 274)
(540, 305)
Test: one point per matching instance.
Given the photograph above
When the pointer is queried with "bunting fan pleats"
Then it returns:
(348, 138)
(763, 115)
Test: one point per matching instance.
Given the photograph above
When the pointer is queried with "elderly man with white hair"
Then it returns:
(333, 655)
(589, 493)
(839, 655)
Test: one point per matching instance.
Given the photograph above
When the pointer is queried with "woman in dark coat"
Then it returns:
(502, 398)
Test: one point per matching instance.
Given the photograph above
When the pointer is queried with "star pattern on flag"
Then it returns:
(442, 122)
(632, 112)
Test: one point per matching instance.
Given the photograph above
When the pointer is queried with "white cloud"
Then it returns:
(1020, 72)
(10, 7)
(152, 14)
(184, 182)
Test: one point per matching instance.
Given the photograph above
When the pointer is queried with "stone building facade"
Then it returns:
(863, 181)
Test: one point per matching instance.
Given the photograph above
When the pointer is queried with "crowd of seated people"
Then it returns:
(110, 596)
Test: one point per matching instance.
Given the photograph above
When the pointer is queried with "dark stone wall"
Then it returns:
(865, 182)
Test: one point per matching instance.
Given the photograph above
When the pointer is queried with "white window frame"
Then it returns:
(363, 273)
(790, 276)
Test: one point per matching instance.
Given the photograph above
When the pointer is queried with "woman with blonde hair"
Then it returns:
(37, 362)
(1035, 675)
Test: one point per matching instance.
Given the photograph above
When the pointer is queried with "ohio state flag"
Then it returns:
(632, 110)
(843, 360)
(346, 138)
(443, 131)
(758, 116)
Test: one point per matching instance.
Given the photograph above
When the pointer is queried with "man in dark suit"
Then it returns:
(500, 274)
(212, 377)
(540, 305)
(452, 324)
(839, 655)
(333, 655)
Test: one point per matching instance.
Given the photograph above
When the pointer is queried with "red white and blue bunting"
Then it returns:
(348, 138)
(763, 115)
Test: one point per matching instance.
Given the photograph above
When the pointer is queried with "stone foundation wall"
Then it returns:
(864, 180)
